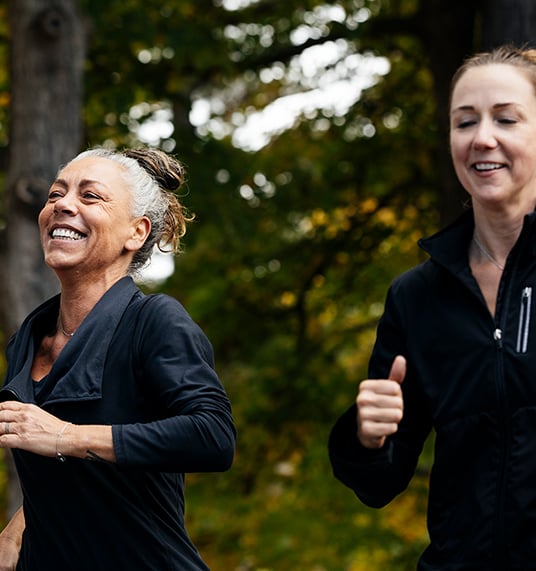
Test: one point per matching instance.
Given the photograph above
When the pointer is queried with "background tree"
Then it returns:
(300, 225)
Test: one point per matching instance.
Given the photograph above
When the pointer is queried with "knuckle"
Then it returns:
(364, 399)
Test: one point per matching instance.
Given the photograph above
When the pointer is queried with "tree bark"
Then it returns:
(508, 22)
(448, 34)
(451, 32)
(47, 49)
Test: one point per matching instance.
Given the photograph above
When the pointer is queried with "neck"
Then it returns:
(504, 221)
(497, 234)
(77, 300)
(481, 250)
(62, 329)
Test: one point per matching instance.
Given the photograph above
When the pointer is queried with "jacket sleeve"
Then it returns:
(377, 476)
(194, 431)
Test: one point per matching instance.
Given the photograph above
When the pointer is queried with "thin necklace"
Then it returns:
(63, 330)
(486, 253)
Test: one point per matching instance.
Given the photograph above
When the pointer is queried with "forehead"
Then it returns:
(494, 84)
(97, 169)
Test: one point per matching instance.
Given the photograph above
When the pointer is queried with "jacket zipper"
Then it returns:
(497, 337)
(524, 320)
(500, 549)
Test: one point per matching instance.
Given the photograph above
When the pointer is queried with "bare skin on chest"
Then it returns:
(488, 278)
(46, 355)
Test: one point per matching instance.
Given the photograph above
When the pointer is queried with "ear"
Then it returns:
(141, 227)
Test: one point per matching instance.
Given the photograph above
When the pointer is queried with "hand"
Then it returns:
(28, 427)
(9, 553)
(10, 542)
(380, 406)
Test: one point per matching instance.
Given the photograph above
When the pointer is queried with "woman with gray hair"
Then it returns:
(110, 395)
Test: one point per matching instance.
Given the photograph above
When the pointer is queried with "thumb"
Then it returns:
(398, 369)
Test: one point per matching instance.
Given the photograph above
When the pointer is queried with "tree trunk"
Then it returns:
(453, 31)
(47, 49)
(448, 32)
(508, 22)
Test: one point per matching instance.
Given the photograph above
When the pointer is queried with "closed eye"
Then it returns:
(465, 124)
(91, 196)
(54, 195)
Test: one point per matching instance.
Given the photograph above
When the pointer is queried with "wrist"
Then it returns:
(60, 448)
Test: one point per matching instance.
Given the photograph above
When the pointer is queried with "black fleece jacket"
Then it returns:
(140, 364)
(472, 378)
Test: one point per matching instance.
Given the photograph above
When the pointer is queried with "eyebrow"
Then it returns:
(496, 106)
(83, 183)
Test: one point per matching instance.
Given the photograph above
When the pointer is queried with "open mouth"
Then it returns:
(487, 167)
(67, 234)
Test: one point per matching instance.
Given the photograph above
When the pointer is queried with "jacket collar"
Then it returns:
(449, 246)
(78, 371)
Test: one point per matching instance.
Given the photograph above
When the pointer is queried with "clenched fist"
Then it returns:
(380, 406)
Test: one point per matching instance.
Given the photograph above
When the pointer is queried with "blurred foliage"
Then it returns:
(4, 75)
(293, 246)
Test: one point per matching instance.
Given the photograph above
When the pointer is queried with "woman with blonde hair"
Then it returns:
(456, 346)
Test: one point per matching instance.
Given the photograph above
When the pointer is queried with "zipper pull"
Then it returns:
(497, 337)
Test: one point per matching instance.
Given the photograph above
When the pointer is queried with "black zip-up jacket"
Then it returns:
(472, 378)
(140, 364)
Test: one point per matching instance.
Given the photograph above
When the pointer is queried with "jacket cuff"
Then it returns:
(346, 447)
(117, 439)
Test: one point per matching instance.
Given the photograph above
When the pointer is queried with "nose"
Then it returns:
(485, 135)
(65, 204)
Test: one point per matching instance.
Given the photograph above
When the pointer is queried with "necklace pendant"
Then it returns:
(60, 327)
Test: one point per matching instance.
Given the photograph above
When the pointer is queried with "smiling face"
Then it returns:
(493, 135)
(86, 224)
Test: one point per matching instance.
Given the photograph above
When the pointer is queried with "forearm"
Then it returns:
(11, 541)
(28, 427)
(14, 529)
(202, 442)
(375, 475)
(92, 442)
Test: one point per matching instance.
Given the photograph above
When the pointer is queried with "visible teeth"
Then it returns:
(66, 233)
(487, 166)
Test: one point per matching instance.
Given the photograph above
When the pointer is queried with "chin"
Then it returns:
(56, 264)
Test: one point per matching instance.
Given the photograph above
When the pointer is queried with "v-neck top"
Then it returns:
(140, 364)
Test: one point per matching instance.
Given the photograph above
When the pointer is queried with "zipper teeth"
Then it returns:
(527, 319)
(524, 320)
(504, 439)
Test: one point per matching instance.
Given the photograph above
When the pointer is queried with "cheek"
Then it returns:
(461, 144)
(43, 216)
(458, 153)
(528, 151)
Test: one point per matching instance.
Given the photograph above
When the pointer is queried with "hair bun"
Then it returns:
(167, 171)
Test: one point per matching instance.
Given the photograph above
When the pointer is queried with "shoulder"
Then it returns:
(160, 308)
(162, 320)
(414, 279)
(411, 291)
